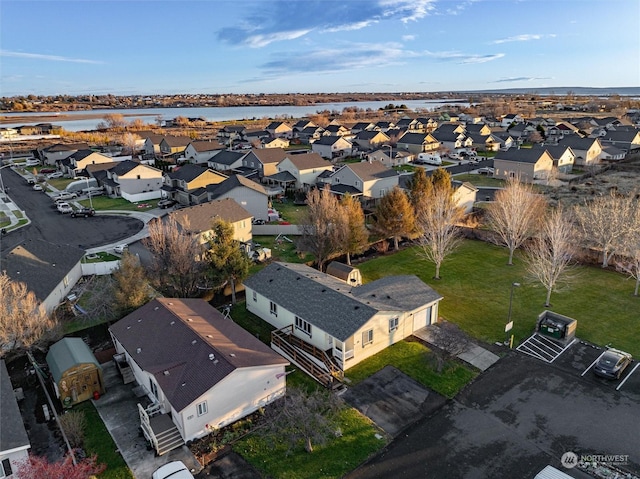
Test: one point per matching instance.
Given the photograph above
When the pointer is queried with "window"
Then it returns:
(273, 308)
(303, 326)
(393, 324)
(5, 468)
(154, 388)
(255, 296)
(367, 337)
(202, 408)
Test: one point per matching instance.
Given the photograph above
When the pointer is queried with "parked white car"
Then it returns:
(38, 187)
(57, 174)
(64, 208)
(65, 195)
(120, 248)
(173, 470)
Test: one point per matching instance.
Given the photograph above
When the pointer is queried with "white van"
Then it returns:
(32, 162)
(429, 159)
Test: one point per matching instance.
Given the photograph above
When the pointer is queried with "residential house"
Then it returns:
(310, 134)
(229, 134)
(201, 370)
(58, 152)
(464, 195)
(336, 130)
(369, 139)
(198, 220)
(485, 142)
(8, 133)
(623, 139)
(264, 160)
(277, 142)
(521, 130)
(174, 146)
(76, 163)
(227, 160)
(49, 270)
(481, 129)
(341, 325)
(371, 179)
(417, 142)
(563, 156)
(304, 168)
(362, 126)
(302, 124)
(511, 118)
(252, 196)
(187, 184)
(200, 152)
(332, 147)
(14, 442)
(504, 142)
(256, 137)
(528, 163)
(384, 125)
(133, 181)
(450, 139)
(611, 153)
(279, 129)
(561, 129)
(587, 150)
(152, 144)
(391, 157)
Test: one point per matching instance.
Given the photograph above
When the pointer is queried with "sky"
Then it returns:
(147, 47)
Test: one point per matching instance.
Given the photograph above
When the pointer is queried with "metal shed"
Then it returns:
(76, 373)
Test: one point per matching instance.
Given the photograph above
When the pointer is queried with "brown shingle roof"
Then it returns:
(201, 216)
(177, 140)
(368, 171)
(308, 161)
(189, 346)
(269, 155)
(201, 146)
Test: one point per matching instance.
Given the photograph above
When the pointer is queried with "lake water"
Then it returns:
(149, 115)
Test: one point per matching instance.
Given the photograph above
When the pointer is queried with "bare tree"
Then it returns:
(131, 288)
(175, 268)
(357, 237)
(101, 303)
(394, 216)
(628, 261)
(24, 322)
(114, 121)
(550, 253)
(324, 226)
(130, 142)
(607, 221)
(438, 222)
(515, 213)
(302, 417)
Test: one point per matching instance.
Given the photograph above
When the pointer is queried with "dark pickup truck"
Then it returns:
(86, 212)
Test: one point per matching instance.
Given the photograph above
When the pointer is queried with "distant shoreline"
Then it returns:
(53, 117)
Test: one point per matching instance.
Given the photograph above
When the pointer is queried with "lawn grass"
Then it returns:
(418, 362)
(405, 168)
(252, 323)
(106, 203)
(479, 180)
(290, 212)
(283, 250)
(101, 257)
(98, 441)
(332, 460)
(476, 281)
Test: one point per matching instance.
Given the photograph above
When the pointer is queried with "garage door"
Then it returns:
(421, 318)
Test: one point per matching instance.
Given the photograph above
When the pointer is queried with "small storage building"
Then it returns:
(76, 373)
(346, 273)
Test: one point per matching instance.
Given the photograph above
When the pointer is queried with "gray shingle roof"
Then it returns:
(41, 265)
(187, 172)
(124, 167)
(12, 432)
(329, 303)
(522, 155)
(227, 157)
(176, 338)
(235, 181)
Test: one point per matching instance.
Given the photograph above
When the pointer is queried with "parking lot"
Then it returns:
(516, 418)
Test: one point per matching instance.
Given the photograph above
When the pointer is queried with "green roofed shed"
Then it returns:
(76, 373)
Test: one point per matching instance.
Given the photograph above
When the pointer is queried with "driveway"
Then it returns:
(516, 418)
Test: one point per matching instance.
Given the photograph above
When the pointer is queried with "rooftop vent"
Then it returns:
(157, 308)
(166, 373)
(139, 350)
(189, 319)
(139, 320)
(194, 341)
(233, 355)
(211, 357)
(209, 336)
(183, 384)
(172, 323)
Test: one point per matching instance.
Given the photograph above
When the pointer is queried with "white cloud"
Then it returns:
(523, 38)
(40, 56)
(258, 41)
(408, 38)
(464, 58)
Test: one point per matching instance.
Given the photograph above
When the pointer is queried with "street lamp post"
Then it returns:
(390, 152)
(509, 340)
(89, 193)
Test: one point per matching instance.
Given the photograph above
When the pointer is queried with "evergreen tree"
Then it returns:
(395, 216)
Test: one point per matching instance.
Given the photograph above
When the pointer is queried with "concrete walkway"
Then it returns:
(451, 339)
(118, 409)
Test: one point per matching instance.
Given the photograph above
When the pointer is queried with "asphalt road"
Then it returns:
(518, 417)
(49, 225)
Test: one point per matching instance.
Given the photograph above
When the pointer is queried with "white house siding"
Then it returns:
(239, 394)
(325, 151)
(133, 186)
(16, 458)
(565, 162)
(63, 288)
(257, 204)
(136, 197)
